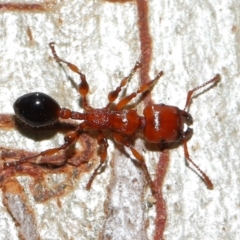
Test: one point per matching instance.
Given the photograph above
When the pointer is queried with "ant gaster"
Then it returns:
(160, 123)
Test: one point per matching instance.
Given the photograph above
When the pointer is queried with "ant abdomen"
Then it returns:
(36, 109)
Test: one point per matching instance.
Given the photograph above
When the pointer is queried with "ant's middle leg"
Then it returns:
(121, 140)
(113, 95)
(102, 142)
(83, 87)
(144, 88)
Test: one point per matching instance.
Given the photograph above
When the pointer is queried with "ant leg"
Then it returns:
(119, 139)
(112, 96)
(69, 139)
(189, 95)
(205, 178)
(83, 87)
(102, 142)
(145, 87)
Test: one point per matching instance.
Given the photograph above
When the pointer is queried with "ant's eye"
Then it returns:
(189, 120)
(36, 109)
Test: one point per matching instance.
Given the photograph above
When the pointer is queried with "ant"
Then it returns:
(160, 123)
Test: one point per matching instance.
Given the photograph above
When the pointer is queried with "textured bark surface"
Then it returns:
(191, 41)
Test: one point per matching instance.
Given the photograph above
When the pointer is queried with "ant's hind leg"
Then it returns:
(83, 87)
(69, 139)
(119, 139)
(102, 142)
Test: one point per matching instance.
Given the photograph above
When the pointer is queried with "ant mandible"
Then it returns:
(160, 123)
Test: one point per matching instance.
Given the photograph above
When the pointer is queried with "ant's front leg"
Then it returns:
(121, 140)
(205, 178)
(102, 142)
(83, 87)
(214, 80)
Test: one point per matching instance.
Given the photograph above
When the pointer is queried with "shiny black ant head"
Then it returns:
(36, 109)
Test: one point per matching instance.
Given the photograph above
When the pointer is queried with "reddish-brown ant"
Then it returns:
(161, 124)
